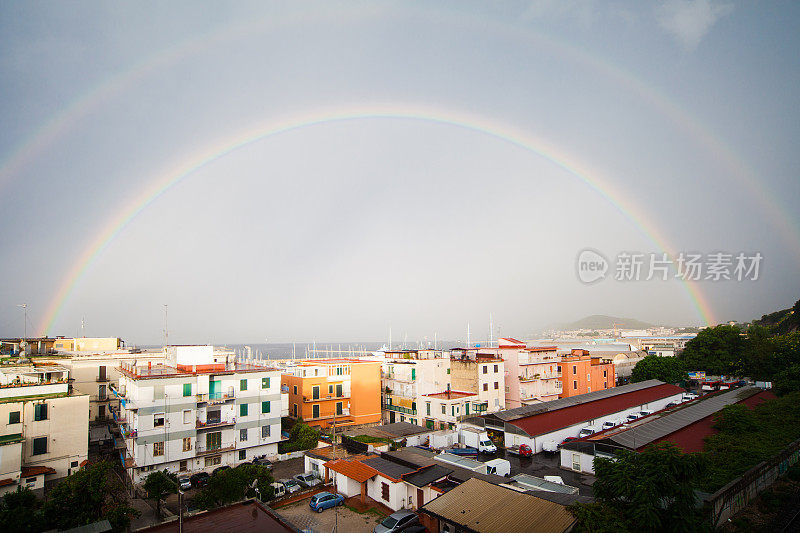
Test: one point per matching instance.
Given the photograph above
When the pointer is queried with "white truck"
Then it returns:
(478, 439)
(498, 467)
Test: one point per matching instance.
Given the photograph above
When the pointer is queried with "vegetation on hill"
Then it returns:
(781, 322)
(603, 322)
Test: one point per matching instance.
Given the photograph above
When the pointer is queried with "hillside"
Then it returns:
(781, 322)
(603, 322)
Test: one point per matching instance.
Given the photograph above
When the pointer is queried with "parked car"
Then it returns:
(670, 405)
(200, 479)
(633, 417)
(397, 522)
(688, 396)
(185, 482)
(307, 480)
(523, 450)
(585, 432)
(608, 425)
(568, 439)
(646, 412)
(291, 485)
(325, 500)
(278, 489)
(220, 469)
(262, 461)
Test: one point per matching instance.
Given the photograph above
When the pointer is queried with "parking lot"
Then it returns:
(301, 515)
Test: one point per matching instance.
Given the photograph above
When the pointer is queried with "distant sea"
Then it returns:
(303, 350)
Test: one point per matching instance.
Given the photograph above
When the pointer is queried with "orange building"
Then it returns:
(350, 389)
(582, 373)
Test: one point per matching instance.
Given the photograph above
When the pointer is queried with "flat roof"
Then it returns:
(539, 484)
(394, 430)
(387, 468)
(480, 506)
(426, 475)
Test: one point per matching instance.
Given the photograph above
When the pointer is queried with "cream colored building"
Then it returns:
(43, 426)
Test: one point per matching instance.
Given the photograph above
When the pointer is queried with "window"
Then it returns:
(183, 466)
(588, 377)
(485, 369)
(315, 411)
(339, 409)
(242, 455)
(158, 420)
(339, 390)
(243, 435)
(315, 392)
(243, 409)
(558, 369)
(265, 408)
(30, 480)
(428, 409)
(330, 389)
(485, 387)
(605, 384)
(242, 384)
(158, 448)
(605, 373)
(413, 374)
(444, 409)
(574, 385)
(39, 445)
(574, 370)
(13, 417)
(295, 389)
(187, 444)
(402, 418)
(187, 416)
(448, 371)
(589, 389)
(294, 408)
(495, 369)
(211, 461)
(265, 432)
(73, 464)
(187, 389)
(214, 440)
(466, 408)
(496, 385)
(385, 491)
(40, 411)
(264, 383)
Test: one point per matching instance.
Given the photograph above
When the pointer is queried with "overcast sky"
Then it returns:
(685, 113)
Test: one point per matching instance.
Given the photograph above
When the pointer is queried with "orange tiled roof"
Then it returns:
(7, 481)
(28, 471)
(451, 395)
(84, 462)
(355, 470)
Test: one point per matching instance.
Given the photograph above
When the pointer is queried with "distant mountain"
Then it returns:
(603, 322)
(781, 322)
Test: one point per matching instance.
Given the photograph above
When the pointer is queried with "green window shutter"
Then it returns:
(413, 374)
(466, 408)
(265, 407)
(264, 383)
(187, 389)
(448, 370)
(242, 384)
(243, 409)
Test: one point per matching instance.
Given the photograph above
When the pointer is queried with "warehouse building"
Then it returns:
(686, 426)
(554, 421)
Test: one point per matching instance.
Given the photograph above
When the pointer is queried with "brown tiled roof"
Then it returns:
(84, 462)
(480, 506)
(355, 470)
(28, 471)
(7, 481)
(326, 452)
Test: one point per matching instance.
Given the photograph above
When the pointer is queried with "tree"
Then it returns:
(235, 484)
(667, 369)
(717, 350)
(19, 511)
(158, 484)
(301, 437)
(648, 491)
(88, 495)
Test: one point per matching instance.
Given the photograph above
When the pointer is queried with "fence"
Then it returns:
(734, 496)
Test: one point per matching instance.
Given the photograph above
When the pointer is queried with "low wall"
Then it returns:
(737, 494)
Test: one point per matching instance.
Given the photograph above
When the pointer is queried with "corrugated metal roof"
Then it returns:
(535, 409)
(551, 420)
(488, 508)
(651, 430)
(426, 475)
(536, 483)
(387, 468)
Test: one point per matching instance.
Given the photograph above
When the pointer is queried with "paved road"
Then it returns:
(287, 469)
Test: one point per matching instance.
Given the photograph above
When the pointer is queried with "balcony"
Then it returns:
(215, 398)
(325, 398)
(102, 379)
(202, 448)
(127, 432)
(344, 413)
(214, 423)
(397, 408)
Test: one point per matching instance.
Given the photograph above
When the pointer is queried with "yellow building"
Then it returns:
(347, 389)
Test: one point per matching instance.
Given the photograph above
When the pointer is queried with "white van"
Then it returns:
(645, 412)
(633, 417)
(279, 489)
(498, 467)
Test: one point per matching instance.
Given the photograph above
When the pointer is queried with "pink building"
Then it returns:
(532, 374)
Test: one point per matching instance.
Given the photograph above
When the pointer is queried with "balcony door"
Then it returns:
(214, 440)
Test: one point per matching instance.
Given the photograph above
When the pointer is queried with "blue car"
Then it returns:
(324, 500)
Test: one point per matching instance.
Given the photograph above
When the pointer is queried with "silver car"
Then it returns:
(397, 522)
(307, 480)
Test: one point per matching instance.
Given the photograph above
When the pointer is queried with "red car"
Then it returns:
(523, 450)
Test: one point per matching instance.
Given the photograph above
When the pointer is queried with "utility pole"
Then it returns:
(336, 508)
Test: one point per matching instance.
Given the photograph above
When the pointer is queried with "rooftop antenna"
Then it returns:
(166, 325)
(83, 326)
(435, 340)
(390, 337)
(491, 330)
(25, 327)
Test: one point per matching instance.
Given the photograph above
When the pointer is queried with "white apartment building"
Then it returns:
(407, 376)
(482, 371)
(443, 410)
(197, 411)
(43, 426)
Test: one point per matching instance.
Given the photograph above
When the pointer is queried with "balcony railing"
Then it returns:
(214, 423)
(397, 408)
(127, 432)
(327, 397)
(202, 448)
(102, 379)
(216, 397)
(345, 412)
